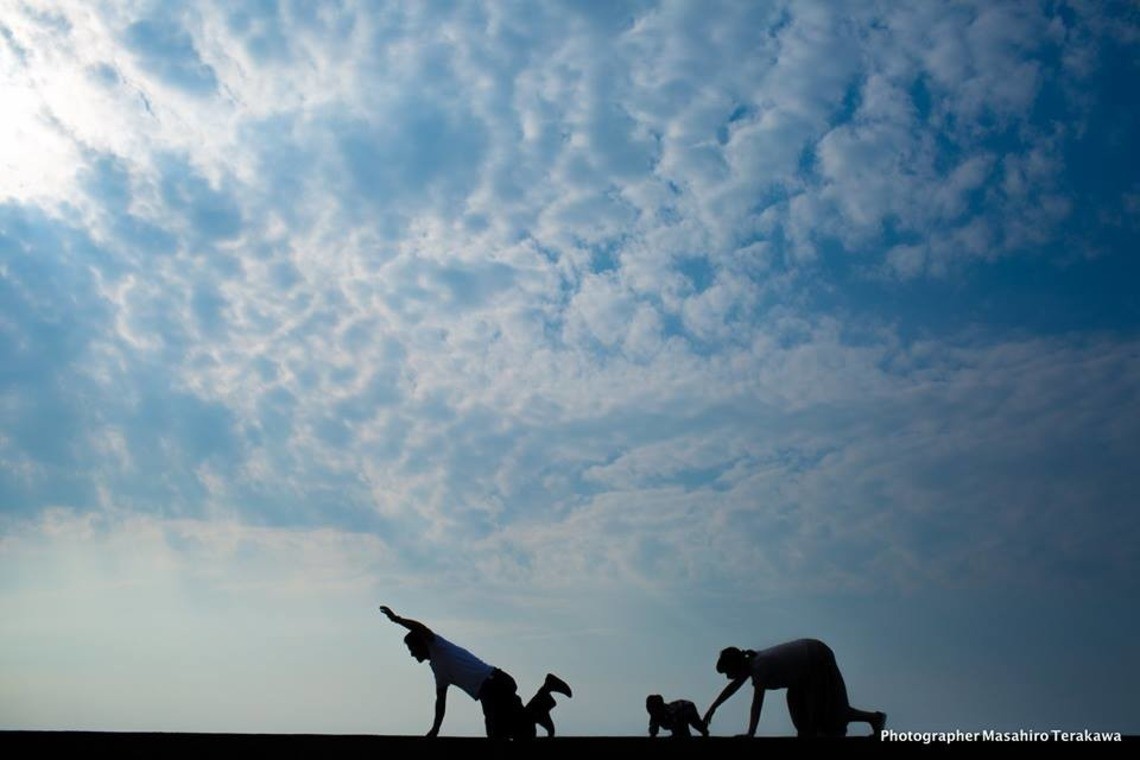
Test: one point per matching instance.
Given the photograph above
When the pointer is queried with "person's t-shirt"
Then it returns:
(452, 664)
(784, 665)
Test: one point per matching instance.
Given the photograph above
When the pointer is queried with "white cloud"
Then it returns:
(519, 315)
(535, 281)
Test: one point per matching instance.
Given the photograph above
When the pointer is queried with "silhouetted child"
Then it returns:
(675, 716)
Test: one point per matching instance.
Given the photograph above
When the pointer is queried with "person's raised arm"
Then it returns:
(727, 692)
(411, 625)
(440, 709)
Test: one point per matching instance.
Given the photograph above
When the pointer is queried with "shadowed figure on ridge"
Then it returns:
(817, 695)
(504, 714)
(675, 717)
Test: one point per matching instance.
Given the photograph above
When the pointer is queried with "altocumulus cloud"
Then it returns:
(664, 297)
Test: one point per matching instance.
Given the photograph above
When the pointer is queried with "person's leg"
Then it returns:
(876, 720)
(492, 717)
(537, 711)
(516, 722)
(831, 689)
(538, 708)
(693, 718)
(801, 710)
(839, 710)
(523, 722)
(553, 683)
(499, 696)
(491, 701)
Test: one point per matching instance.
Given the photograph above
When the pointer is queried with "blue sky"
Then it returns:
(598, 336)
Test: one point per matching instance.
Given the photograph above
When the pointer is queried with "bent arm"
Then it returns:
(727, 692)
(411, 625)
(440, 709)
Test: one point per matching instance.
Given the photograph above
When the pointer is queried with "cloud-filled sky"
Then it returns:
(596, 335)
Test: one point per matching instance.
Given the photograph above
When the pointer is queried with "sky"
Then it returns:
(597, 336)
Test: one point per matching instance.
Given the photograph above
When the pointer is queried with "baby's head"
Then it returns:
(654, 703)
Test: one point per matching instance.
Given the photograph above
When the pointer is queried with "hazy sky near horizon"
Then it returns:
(596, 335)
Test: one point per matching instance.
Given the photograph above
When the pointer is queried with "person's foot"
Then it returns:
(877, 722)
(557, 685)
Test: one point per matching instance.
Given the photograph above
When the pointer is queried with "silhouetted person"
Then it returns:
(504, 715)
(675, 717)
(817, 696)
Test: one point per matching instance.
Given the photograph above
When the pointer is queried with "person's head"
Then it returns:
(654, 703)
(417, 645)
(732, 662)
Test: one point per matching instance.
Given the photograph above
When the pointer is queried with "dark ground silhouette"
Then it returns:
(279, 746)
